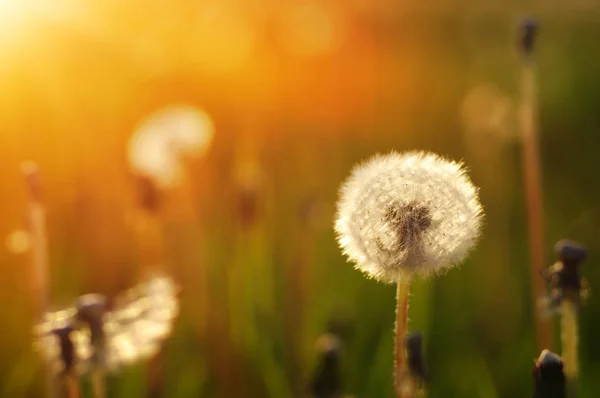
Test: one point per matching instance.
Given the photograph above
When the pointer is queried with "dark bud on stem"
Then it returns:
(326, 380)
(148, 194)
(564, 277)
(247, 205)
(90, 310)
(414, 353)
(67, 350)
(528, 33)
(570, 252)
(548, 376)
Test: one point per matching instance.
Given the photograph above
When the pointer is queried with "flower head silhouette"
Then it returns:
(414, 212)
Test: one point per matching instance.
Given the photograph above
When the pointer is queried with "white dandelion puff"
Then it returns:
(414, 212)
(164, 139)
(86, 335)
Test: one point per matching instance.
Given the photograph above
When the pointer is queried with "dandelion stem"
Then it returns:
(72, 386)
(402, 380)
(569, 340)
(533, 198)
(98, 384)
(39, 250)
(37, 219)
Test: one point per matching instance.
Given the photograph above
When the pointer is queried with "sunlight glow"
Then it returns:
(12, 13)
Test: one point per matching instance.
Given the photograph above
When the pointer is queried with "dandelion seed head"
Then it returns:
(413, 212)
(131, 332)
(164, 139)
(142, 319)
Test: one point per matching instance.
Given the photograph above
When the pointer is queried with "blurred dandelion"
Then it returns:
(161, 143)
(405, 214)
(88, 337)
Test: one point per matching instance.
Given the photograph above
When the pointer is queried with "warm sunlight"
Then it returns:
(12, 13)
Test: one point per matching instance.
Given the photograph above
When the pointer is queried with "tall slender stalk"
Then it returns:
(98, 383)
(72, 385)
(39, 249)
(404, 385)
(151, 242)
(37, 220)
(570, 342)
(533, 196)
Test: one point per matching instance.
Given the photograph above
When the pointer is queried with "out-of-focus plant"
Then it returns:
(567, 289)
(532, 173)
(88, 337)
(548, 376)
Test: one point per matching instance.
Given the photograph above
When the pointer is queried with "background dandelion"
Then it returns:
(162, 142)
(132, 330)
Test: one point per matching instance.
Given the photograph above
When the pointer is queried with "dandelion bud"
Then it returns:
(528, 33)
(564, 276)
(326, 381)
(67, 350)
(414, 354)
(570, 252)
(149, 197)
(90, 310)
(407, 213)
(548, 376)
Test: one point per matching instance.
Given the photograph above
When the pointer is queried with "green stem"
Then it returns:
(98, 384)
(570, 341)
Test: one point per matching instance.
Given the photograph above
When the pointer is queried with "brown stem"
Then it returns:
(533, 198)
(148, 224)
(37, 220)
(72, 386)
(402, 381)
(39, 249)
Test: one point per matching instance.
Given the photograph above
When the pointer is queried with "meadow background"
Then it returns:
(298, 91)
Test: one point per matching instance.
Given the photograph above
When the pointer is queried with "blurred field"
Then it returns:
(298, 92)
